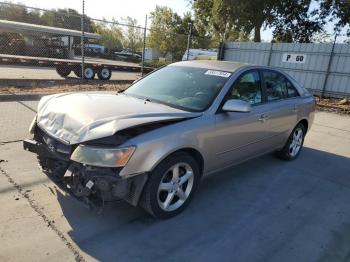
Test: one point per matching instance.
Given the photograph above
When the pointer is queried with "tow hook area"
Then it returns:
(95, 186)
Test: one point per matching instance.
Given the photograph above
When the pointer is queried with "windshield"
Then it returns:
(188, 88)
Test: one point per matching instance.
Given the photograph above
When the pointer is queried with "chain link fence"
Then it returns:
(37, 43)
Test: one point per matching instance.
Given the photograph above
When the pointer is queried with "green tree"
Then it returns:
(337, 11)
(19, 13)
(66, 18)
(242, 17)
(167, 32)
(214, 19)
(133, 35)
(298, 23)
(111, 35)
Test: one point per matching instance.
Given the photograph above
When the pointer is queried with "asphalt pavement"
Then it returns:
(263, 210)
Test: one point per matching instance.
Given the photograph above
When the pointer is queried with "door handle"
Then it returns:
(263, 118)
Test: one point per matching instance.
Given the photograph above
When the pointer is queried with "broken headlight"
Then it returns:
(102, 157)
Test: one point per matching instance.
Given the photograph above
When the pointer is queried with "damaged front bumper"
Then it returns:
(92, 184)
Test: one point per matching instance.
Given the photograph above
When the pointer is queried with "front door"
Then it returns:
(240, 136)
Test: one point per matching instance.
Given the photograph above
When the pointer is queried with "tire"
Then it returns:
(89, 73)
(63, 71)
(294, 144)
(176, 192)
(77, 72)
(104, 73)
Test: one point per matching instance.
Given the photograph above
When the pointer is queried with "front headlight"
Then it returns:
(103, 157)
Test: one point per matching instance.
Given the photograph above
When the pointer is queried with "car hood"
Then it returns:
(78, 117)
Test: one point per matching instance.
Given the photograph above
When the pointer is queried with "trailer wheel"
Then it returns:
(63, 71)
(104, 73)
(77, 71)
(89, 73)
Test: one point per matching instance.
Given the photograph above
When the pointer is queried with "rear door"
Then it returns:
(281, 106)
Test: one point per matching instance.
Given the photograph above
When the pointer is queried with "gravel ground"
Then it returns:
(61, 88)
(334, 105)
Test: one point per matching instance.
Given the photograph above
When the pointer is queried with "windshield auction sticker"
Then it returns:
(218, 73)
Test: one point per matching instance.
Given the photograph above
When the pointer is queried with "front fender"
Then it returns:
(149, 154)
(154, 146)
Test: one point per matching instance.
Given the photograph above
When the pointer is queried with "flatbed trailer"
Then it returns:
(92, 66)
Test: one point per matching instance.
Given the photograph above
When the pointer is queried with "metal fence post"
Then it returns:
(82, 40)
(270, 54)
(221, 52)
(328, 67)
(144, 47)
(189, 39)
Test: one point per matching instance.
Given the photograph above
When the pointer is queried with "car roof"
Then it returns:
(227, 66)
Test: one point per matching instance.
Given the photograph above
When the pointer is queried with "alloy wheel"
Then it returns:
(175, 187)
(296, 142)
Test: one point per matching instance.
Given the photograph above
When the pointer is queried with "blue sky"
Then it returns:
(122, 8)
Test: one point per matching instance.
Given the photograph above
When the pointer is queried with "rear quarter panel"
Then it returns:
(306, 109)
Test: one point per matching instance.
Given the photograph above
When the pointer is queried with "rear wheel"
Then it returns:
(295, 142)
(63, 71)
(89, 72)
(171, 186)
(104, 73)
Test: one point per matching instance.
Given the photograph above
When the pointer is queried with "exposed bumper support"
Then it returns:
(103, 183)
(42, 150)
(89, 183)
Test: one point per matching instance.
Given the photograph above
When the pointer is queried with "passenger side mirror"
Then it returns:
(235, 105)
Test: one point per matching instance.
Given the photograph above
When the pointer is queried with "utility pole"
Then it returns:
(189, 39)
(144, 47)
(82, 40)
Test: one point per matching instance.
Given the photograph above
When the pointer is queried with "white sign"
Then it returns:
(294, 58)
(218, 73)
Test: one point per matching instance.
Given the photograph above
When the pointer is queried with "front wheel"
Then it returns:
(171, 186)
(295, 142)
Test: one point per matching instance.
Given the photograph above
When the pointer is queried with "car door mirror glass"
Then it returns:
(236, 105)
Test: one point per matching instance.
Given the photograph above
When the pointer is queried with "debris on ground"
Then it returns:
(61, 89)
(339, 105)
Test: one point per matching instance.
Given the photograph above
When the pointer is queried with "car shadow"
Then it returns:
(265, 209)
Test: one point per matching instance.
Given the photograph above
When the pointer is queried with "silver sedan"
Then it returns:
(151, 144)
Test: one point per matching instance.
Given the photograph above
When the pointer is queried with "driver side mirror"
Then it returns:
(235, 105)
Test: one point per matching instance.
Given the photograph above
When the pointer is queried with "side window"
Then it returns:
(247, 88)
(275, 84)
(291, 91)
